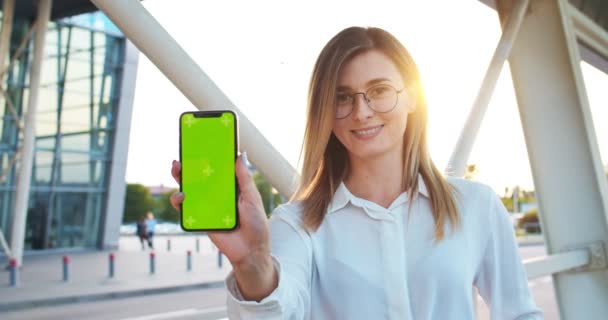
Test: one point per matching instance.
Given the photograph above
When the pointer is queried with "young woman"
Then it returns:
(375, 230)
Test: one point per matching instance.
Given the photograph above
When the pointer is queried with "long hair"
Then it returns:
(326, 162)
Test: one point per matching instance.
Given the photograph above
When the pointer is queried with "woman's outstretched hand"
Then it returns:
(248, 246)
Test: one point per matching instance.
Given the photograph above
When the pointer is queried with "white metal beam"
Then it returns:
(589, 32)
(154, 41)
(29, 135)
(464, 145)
(544, 266)
(8, 10)
(560, 138)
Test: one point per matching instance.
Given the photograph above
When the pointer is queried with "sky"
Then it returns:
(261, 55)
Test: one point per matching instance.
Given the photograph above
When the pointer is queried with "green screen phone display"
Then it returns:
(208, 154)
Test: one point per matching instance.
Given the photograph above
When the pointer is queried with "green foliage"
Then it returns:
(270, 199)
(164, 210)
(530, 218)
(508, 203)
(524, 197)
(138, 201)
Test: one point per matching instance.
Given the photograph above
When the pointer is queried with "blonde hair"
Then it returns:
(326, 162)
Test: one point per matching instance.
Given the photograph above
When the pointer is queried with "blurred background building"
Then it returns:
(85, 96)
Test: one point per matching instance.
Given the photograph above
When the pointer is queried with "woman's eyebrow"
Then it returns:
(369, 83)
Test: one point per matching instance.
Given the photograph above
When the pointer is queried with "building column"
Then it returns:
(29, 134)
(570, 185)
(112, 218)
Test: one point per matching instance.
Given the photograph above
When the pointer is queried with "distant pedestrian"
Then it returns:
(150, 224)
(142, 231)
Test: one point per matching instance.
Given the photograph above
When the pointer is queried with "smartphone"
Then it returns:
(208, 151)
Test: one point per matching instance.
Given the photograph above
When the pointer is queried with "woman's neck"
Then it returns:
(376, 179)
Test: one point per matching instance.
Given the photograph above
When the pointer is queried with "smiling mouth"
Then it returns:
(367, 132)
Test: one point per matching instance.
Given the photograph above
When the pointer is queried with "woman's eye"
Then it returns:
(379, 90)
(342, 98)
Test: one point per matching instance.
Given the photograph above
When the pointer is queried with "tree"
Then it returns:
(165, 210)
(270, 199)
(138, 201)
(530, 222)
(508, 203)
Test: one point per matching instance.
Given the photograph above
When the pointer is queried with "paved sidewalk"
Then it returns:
(40, 279)
(41, 283)
(531, 240)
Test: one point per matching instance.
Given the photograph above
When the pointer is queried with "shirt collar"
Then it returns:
(342, 196)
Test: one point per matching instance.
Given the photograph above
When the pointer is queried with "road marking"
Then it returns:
(178, 313)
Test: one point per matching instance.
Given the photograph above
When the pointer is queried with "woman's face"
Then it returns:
(364, 132)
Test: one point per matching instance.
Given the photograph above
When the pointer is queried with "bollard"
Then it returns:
(198, 245)
(66, 264)
(219, 259)
(111, 265)
(13, 272)
(168, 244)
(152, 266)
(189, 261)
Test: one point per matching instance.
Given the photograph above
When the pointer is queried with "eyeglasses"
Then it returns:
(381, 98)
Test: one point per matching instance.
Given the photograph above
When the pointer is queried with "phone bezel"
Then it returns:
(212, 113)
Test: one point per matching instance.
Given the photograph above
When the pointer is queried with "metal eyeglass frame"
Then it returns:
(352, 102)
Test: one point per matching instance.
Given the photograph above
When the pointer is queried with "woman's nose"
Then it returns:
(361, 109)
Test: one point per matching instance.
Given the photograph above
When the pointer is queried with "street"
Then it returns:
(200, 304)
(209, 304)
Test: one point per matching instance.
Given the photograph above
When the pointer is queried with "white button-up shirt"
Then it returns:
(369, 262)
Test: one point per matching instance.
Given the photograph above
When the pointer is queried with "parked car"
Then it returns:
(162, 227)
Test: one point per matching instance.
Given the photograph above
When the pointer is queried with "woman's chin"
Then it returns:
(369, 153)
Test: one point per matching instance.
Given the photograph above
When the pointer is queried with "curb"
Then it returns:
(106, 296)
(530, 243)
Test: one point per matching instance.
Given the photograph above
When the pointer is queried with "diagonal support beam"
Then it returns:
(19, 51)
(11, 109)
(9, 166)
(589, 32)
(462, 151)
(154, 41)
(8, 11)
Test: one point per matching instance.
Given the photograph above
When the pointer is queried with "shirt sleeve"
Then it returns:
(501, 279)
(292, 258)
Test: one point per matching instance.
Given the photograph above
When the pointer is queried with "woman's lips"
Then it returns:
(367, 133)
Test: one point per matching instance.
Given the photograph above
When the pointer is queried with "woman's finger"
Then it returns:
(176, 200)
(176, 169)
(245, 181)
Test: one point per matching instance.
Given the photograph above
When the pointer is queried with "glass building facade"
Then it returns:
(78, 103)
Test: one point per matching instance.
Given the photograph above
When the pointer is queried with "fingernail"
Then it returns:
(179, 195)
(244, 158)
(173, 163)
